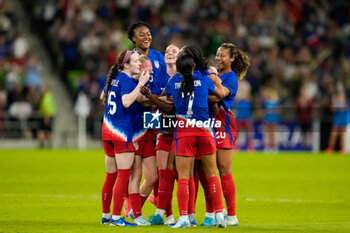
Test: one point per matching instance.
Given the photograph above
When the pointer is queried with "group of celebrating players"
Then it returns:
(179, 83)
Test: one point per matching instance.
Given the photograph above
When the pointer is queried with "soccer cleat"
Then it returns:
(220, 221)
(105, 220)
(208, 222)
(194, 223)
(231, 221)
(122, 222)
(224, 211)
(182, 222)
(127, 209)
(156, 220)
(169, 220)
(140, 221)
(131, 214)
(152, 200)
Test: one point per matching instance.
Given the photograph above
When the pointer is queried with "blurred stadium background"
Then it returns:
(299, 51)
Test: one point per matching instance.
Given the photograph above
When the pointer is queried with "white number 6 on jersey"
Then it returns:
(111, 103)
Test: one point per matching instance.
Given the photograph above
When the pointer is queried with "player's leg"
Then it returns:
(111, 176)
(149, 167)
(224, 161)
(125, 161)
(134, 188)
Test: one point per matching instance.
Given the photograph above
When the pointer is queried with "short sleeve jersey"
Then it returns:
(196, 107)
(137, 109)
(228, 123)
(117, 124)
(157, 80)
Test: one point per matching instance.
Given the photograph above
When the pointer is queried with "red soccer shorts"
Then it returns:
(225, 140)
(145, 148)
(116, 147)
(164, 145)
(195, 146)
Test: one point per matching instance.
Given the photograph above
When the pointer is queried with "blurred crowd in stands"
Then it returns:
(20, 79)
(299, 49)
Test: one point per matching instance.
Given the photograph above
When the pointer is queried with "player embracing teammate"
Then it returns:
(191, 91)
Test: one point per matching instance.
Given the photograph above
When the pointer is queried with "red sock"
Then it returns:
(135, 204)
(163, 189)
(196, 184)
(155, 190)
(209, 208)
(215, 193)
(170, 181)
(120, 190)
(169, 206)
(182, 196)
(127, 206)
(143, 199)
(229, 191)
(107, 191)
(191, 200)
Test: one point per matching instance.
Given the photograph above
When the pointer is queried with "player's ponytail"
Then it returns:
(123, 57)
(112, 73)
(185, 65)
(241, 63)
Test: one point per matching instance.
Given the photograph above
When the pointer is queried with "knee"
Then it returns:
(224, 169)
(152, 178)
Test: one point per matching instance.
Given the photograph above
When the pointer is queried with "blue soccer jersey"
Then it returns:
(196, 107)
(230, 81)
(157, 81)
(117, 124)
(137, 109)
(225, 116)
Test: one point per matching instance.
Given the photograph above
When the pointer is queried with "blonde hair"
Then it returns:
(143, 58)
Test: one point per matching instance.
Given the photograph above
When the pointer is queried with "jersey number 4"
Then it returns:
(111, 103)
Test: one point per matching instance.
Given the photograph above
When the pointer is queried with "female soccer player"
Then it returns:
(163, 154)
(145, 157)
(140, 35)
(232, 64)
(193, 134)
(117, 133)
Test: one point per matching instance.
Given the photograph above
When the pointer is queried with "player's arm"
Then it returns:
(213, 99)
(164, 103)
(129, 99)
(220, 90)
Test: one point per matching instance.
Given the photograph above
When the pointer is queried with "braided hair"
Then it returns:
(113, 72)
(185, 65)
(241, 63)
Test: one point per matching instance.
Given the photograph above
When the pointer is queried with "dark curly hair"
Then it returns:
(241, 63)
(132, 27)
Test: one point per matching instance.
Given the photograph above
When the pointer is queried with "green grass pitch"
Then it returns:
(59, 191)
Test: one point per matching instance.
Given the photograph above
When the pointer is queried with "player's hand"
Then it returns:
(144, 90)
(144, 77)
(212, 70)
